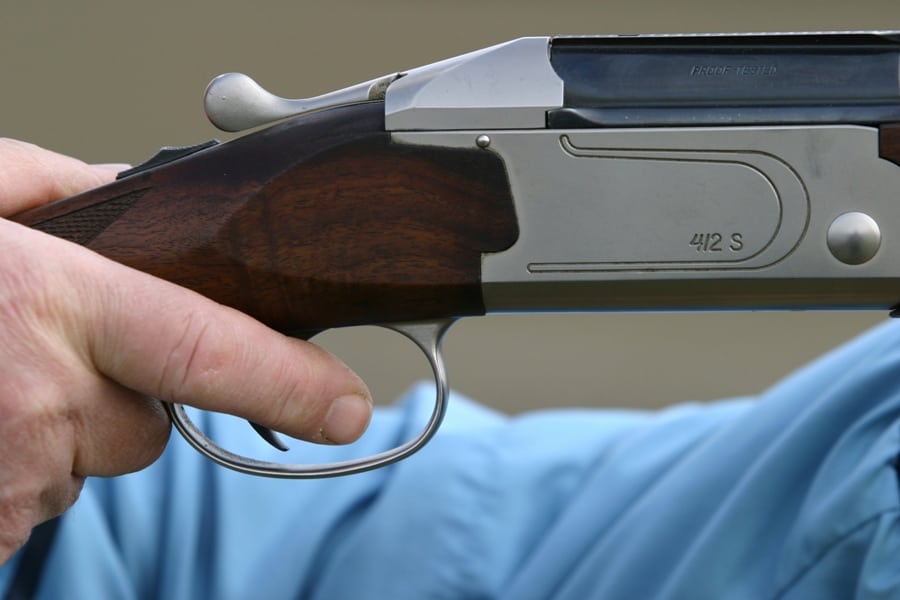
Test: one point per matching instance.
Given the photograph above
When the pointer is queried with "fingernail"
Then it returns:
(346, 420)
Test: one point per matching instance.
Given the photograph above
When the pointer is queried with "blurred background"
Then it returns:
(113, 81)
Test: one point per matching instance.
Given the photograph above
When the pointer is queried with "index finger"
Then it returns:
(169, 342)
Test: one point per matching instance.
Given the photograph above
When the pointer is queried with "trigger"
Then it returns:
(269, 435)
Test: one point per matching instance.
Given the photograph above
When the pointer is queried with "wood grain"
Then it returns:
(318, 222)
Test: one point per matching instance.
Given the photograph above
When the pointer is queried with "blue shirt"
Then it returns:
(793, 494)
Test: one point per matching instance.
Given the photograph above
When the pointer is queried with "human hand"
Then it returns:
(86, 344)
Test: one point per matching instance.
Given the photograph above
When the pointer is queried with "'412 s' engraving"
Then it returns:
(717, 242)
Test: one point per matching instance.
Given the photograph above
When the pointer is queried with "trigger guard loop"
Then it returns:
(426, 335)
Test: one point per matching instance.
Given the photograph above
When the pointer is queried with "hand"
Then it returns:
(85, 343)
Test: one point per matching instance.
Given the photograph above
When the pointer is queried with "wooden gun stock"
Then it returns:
(317, 222)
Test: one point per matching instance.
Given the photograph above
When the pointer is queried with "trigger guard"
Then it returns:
(426, 335)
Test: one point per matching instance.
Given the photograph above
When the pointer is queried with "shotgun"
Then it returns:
(687, 172)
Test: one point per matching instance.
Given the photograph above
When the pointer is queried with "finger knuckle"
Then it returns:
(192, 364)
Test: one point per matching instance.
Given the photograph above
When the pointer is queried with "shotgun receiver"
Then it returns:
(543, 174)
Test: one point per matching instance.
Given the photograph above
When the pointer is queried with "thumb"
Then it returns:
(33, 176)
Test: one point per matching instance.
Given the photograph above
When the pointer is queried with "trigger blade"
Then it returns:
(270, 436)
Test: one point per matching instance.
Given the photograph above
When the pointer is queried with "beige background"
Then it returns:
(112, 81)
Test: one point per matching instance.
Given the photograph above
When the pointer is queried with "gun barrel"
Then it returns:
(696, 80)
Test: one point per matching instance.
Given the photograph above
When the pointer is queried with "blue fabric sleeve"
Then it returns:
(790, 495)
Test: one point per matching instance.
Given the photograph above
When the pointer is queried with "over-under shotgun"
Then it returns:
(544, 174)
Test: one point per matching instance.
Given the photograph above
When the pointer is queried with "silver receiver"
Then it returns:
(693, 218)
